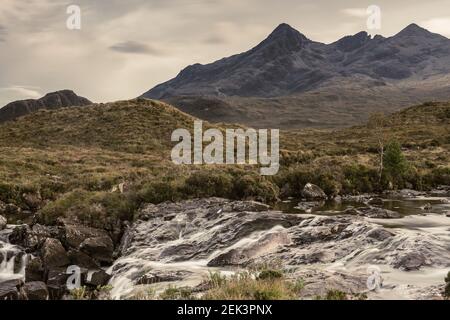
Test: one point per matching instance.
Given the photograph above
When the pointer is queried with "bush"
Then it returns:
(253, 186)
(204, 184)
(359, 178)
(394, 161)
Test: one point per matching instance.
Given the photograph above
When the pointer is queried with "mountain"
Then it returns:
(290, 81)
(54, 100)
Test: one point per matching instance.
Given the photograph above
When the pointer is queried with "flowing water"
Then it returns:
(13, 260)
(179, 247)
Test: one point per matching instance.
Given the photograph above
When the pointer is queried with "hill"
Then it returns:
(54, 100)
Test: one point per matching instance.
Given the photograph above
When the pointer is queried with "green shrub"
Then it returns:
(270, 274)
(208, 184)
(253, 186)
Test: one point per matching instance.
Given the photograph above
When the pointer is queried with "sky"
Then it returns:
(125, 48)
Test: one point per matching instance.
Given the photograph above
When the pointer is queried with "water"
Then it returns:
(404, 205)
(13, 260)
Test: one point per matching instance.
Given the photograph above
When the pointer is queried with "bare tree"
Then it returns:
(378, 123)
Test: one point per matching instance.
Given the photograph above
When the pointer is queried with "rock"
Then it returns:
(375, 202)
(98, 248)
(3, 223)
(56, 283)
(379, 213)
(157, 277)
(447, 214)
(337, 199)
(75, 234)
(82, 260)
(11, 209)
(33, 237)
(32, 200)
(380, 234)
(312, 192)
(36, 290)
(97, 278)
(34, 271)
(308, 206)
(410, 261)
(54, 254)
(10, 289)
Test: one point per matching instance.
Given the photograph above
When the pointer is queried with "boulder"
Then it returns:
(34, 271)
(32, 200)
(35, 290)
(410, 261)
(53, 254)
(82, 260)
(99, 248)
(10, 209)
(3, 222)
(75, 234)
(375, 202)
(313, 192)
(10, 290)
(97, 278)
(32, 238)
(56, 283)
(379, 213)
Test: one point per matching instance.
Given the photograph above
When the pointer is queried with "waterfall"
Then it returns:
(13, 260)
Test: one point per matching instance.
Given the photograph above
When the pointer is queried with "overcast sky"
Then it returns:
(126, 47)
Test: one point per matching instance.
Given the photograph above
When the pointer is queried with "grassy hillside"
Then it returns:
(71, 159)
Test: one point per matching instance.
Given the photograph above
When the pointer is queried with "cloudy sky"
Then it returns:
(126, 47)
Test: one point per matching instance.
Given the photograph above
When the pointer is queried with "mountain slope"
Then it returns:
(289, 81)
(54, 100)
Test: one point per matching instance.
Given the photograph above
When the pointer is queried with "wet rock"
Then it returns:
(379, 213)
(98, 248)
(3, 223)
(53, 254)
(34, 271)
(375, 202)
(164, 276)
(411, 261)
(380, 234)
(35, 290)
(308, 206)
(313, 192)
(10, 289)
(97, 278)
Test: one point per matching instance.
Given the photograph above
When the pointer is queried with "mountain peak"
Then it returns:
(284, 31)
(413, 30)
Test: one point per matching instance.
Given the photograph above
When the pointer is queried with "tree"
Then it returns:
(378, 123)
(394, 161)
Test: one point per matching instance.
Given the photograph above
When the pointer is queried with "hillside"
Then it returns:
(289, 81)
(96, 147)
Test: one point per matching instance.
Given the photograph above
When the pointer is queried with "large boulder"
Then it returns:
(56, 283)
(36, 290)
(32, 238)
(53, 254)
(313, 192)
(3, 222)
(99, 248)
(82, 260)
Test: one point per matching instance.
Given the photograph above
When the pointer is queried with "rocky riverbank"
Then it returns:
(179, 245)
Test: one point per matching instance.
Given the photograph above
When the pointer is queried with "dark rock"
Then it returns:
(11, 209)
(75, 234)
(99, 248)
(379, 213)
(309, 205)
(10, 290)
(32, 200)
(157, 277)
(97, 278)
(380, 234)
(313, 192)
(36, 290)
(32, 238)
(54, 254)
(81, 259)
(375, 201)
(34, 271)
(56, 283)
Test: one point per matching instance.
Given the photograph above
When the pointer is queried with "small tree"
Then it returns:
(394, 161)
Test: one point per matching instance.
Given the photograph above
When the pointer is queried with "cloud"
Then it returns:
(355, 12)
(438, 25)
(135, 47)
(12, 93)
